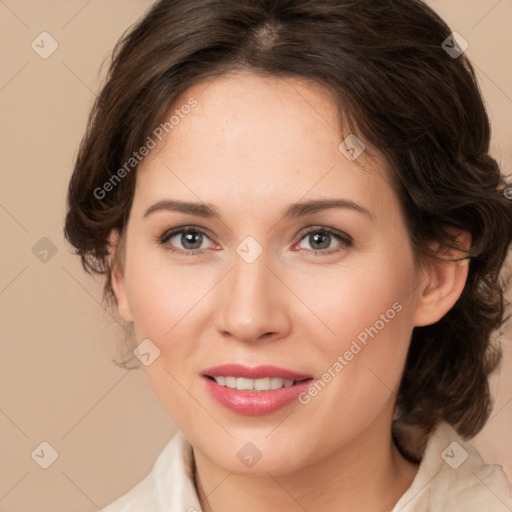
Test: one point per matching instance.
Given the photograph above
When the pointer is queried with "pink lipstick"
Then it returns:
(255, 398)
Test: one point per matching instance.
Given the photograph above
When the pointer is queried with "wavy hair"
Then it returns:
(385, 64)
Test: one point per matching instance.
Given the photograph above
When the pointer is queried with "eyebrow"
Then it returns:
(293, 210)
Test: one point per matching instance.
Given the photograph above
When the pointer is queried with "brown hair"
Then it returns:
(395, 86)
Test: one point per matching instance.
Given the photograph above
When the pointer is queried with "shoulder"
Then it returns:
(452, 476)
(168, 487)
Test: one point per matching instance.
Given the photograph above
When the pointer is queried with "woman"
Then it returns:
(295, 211)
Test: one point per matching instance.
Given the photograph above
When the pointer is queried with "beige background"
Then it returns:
(57, 381)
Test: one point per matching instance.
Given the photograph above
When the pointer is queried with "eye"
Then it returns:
(194, 240)
(191, 239)
(321, 238)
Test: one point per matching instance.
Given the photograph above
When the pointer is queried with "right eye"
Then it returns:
(189, 237)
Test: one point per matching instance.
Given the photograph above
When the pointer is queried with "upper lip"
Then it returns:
(254, 372)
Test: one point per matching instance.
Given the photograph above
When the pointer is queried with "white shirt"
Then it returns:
(451, 478)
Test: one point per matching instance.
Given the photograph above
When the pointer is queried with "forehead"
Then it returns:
(263, 138)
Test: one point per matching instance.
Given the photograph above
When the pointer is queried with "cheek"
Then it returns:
(374, 292)
(368, 311)
(162, 307)
(159, 294)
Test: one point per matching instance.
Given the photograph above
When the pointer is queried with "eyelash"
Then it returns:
(346, 240)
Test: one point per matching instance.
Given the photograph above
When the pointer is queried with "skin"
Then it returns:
(251, 147)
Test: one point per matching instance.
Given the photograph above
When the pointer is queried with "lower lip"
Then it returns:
(255, 403)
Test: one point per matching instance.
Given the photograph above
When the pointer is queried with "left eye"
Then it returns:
(320, 240)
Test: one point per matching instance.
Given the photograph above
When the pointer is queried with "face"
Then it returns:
(329, 293)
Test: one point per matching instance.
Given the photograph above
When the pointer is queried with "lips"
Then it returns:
(254, 402)
(257, 372)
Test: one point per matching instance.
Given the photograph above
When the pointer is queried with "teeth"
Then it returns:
(244, 384)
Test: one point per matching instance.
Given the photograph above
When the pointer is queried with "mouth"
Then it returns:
(254, 391)
(244, 384)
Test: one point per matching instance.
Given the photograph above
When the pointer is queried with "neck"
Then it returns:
(369, 474)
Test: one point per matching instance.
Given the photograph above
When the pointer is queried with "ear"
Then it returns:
(117, 277)
(442, 283)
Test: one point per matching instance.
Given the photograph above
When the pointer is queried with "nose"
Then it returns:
(254, 302)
